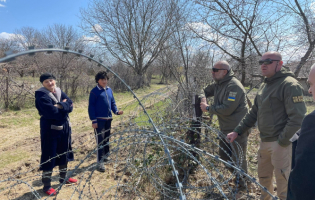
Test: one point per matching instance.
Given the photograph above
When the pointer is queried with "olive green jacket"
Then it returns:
(279, 108)
(230, 103)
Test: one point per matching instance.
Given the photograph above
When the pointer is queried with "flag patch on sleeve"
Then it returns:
(232, 96)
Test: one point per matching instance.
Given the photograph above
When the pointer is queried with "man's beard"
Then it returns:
(217, 79)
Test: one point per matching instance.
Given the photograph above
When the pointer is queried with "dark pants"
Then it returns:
(46, 176)
(235, 156)
(228, 154)
(102, 138)
(294, 144)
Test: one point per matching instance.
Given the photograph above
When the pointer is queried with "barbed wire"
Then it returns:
(138, 160)
(150, 158)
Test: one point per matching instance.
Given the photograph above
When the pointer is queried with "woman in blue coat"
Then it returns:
(53, 106)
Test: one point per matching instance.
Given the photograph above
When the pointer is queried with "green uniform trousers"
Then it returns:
(226, 152)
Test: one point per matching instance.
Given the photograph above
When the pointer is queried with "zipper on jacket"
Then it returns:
(109, 111)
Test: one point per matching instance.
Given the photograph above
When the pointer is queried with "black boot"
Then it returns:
(46, 179)
(62, 172)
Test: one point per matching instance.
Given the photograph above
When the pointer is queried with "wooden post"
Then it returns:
(193, 136)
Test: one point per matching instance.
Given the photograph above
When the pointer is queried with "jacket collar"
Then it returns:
(56, 98)
(100, 88)
(284, 72)
(227, 77)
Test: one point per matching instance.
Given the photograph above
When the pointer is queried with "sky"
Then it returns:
(15, 14)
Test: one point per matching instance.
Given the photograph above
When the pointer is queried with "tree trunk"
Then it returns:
(243, 72)
(6, 93)
(141, 81)
(304, 59)
(165, 76)
(21, 73)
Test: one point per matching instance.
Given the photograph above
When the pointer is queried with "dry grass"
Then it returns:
(20, 147)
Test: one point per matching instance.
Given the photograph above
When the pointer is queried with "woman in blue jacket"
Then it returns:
(101, 105)
(53, 106)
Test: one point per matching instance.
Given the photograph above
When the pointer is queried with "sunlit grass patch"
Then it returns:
(19, 118)
(12, 157)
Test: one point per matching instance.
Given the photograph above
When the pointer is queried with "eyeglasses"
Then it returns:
(308, 84)
(216, 69)
(267, 61)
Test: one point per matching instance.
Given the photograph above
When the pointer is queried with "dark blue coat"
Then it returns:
(55, 130)
(302, 177)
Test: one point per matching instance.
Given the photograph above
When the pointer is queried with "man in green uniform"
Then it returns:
(279, 109)
(230, 106)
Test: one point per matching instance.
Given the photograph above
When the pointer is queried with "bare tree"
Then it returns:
(7, 45)
(238, 28)
(303, 11)
(5, 69)
(184, 59)
(71, 71)
(26, 37)
(62, 36)
(164, 63)
(133, 31)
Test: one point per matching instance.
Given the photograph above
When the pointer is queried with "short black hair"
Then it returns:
(45, 76)
(101, 75)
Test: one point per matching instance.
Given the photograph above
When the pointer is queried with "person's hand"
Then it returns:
(203, 100)
(120, 112)
(231, 137)
(94, 125)
(58, 106)
(203, 106)
(64, 100)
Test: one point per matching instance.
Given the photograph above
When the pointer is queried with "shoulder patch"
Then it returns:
(232, 96)
(297, 99)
